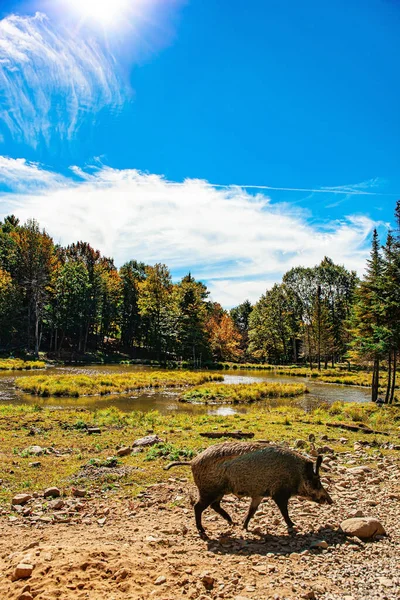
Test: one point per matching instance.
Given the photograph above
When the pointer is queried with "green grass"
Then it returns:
(242, 393)
(180, 435)
(101, 384)
(17, 364)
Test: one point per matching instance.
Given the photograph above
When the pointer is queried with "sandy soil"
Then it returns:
(113, 548)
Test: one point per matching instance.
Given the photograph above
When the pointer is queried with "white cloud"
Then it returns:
(238, 243)
(50, 79)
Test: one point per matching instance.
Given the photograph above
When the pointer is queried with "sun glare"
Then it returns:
(106, 12)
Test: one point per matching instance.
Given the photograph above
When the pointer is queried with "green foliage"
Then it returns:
(169, 452)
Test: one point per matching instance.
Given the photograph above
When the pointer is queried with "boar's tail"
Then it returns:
(176, 464)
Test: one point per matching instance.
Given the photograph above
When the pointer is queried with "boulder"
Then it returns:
(125, 451)
(22, 571)
(52, 492)
(35, 450)
(78, 493)
(148, 440)
(21, 499)
(363, 527)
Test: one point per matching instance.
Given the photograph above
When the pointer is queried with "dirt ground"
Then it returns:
(112, 548)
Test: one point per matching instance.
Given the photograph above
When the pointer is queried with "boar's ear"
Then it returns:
(318, 464)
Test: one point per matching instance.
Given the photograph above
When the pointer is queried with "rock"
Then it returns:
(311, 437)
(357, 514)
(21, 499)
(310, 595)
(22, 571)
(148, 440)
(78, 493)
(35, 450)
(35, 465)
(359, 470)
(31, 545)
(102, 521)
(207, 580)
(343, 440)
(52, 492)
(57, 504)
(92, 430)
(363, 527)
(326, 450)
(319, 544)
(124, 451)
(25, 596)
(160, 580)
(300, 444)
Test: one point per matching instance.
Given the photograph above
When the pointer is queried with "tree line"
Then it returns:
(74, 300)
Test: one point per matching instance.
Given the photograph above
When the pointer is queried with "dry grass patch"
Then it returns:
(17, 364)
(242, 393)
(101, 384)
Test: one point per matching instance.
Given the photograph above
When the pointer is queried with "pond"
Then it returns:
(167, 401)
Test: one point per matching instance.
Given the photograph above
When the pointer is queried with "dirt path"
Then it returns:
(114, 549)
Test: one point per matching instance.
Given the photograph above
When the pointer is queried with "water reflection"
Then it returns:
(167, 401)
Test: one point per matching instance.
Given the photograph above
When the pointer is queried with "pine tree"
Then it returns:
(368, 328)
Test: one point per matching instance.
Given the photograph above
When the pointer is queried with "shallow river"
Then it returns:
(167, 401)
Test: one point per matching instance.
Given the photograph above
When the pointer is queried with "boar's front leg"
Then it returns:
(282, 499)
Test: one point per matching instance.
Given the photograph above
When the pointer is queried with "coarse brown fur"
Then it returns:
(254, 470)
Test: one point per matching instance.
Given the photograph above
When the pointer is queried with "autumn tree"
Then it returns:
(223, 336)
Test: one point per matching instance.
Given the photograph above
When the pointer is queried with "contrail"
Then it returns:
(318, 190)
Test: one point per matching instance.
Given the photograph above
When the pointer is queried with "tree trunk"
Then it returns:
(389, 381)
(375, 381)
(393, 377)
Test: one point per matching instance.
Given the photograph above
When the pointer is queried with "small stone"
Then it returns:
(125, 451)
(78, 493)
(300, 444)
(343, 440)
(148, 440)
(21, 499)
(52, 492)
(363, 527)
(310, 595)
(35, 450)
(385, 582)
(325, 450)
(35, 465)
(208, 581)
(102, 521)
(92, 430)
(160, 580)
(57, 504)
(25, 596)
(319, 544)
(22, 571)
(359, 470)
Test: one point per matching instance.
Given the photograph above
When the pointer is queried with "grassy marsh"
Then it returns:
(117, 383)
(242, 392)
(17, 364)
(70, 447)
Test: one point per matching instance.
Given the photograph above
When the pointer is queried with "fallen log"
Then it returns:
(362, 428)
(233, 434)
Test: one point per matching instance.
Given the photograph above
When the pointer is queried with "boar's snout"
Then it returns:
(325, 498)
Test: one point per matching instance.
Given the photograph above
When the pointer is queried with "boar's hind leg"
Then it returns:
(200, 506)
(282, 500)
(218, 508)
(255, 502)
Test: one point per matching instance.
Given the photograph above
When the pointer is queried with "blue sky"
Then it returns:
(158, 103)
